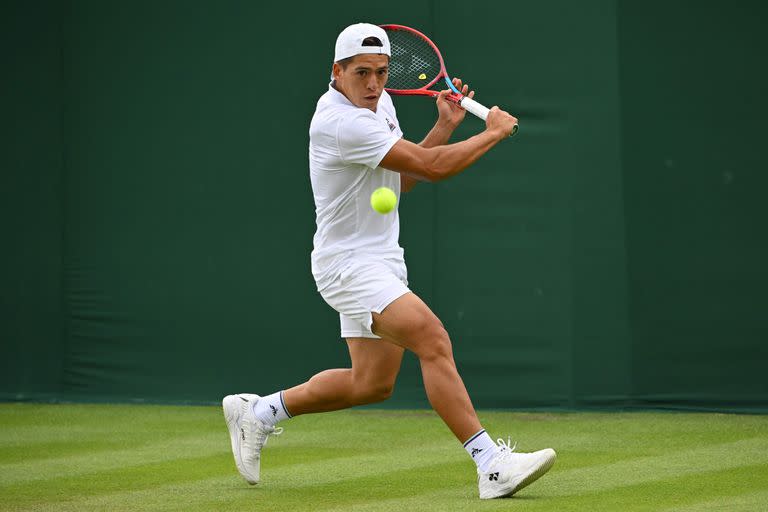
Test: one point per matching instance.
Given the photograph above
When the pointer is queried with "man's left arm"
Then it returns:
(449, 116)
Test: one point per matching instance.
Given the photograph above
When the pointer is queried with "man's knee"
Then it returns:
(373, 392)
(435, 342)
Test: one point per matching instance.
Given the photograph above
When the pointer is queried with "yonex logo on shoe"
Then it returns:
(242, 434)
(475, 451)
(274, 409)
(493, 476)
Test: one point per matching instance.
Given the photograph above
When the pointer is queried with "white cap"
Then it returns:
(350, 41)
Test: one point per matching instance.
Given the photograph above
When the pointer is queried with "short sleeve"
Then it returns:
(363, 139)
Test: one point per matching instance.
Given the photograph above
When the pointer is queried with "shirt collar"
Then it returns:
(337, 96)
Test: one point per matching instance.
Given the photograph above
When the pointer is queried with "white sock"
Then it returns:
(271, 409)
(482, 449)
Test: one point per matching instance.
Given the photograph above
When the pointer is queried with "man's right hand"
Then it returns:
(499, 122)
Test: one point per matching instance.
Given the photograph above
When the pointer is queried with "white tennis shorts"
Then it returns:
(362, 288)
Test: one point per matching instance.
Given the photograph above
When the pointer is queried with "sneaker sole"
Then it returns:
(231, 405)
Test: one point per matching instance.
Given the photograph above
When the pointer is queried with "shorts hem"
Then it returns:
(359, 334)
(393, 293)
(397, 292)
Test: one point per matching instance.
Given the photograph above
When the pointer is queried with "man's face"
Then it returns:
(363, 80)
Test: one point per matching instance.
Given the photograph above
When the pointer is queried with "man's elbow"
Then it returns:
(437, 165)
(433, 169)
(435, 172)
(426, 165)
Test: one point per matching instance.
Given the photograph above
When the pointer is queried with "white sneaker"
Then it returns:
(248, 435)
(512, 471)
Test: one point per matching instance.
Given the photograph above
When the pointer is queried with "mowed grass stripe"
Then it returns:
(162, 496)
(144, 476)
(31, 421)
(93, 462)
(669, 465)
(28, 452)
(745, 502)
(290, 467)
(715, 486)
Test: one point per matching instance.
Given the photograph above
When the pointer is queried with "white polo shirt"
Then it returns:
(346, 146)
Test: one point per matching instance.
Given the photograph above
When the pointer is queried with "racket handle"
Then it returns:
(474, 107)
(479, 110)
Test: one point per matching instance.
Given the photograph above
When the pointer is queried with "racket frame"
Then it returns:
(455, 95)
(424, 90)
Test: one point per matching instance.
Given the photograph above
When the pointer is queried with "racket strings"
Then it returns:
(414, 63)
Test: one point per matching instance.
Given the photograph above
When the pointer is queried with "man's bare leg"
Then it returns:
(375, 365)
(410, 323)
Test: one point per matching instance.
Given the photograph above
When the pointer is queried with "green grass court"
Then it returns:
(131, 457)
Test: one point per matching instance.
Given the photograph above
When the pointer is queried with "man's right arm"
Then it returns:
(441, 162)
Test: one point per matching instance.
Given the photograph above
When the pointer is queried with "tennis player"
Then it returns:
(356, 146)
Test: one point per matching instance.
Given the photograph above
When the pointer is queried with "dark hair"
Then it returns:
(372, 41)
(368, 41)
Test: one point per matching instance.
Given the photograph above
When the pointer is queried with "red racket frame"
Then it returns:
(454, 96)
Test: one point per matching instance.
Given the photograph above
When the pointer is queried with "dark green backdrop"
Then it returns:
(157, 215)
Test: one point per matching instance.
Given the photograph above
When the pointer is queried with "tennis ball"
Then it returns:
(383, 200)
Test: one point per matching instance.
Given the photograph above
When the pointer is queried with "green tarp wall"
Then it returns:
(157, 215)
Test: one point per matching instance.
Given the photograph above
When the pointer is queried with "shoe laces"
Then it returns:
(263, 432)
(505, 451)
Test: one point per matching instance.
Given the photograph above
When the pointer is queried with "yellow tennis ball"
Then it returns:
(383, 200)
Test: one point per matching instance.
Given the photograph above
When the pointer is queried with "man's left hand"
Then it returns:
(448, 111)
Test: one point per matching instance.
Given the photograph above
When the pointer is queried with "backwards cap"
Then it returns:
(350, 41)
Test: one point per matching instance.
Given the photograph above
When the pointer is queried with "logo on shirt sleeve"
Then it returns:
(391, 124)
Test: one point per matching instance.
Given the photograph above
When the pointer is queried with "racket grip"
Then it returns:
(479, 110)
(474, 107)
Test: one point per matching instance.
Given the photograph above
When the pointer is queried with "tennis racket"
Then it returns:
(416, 68)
